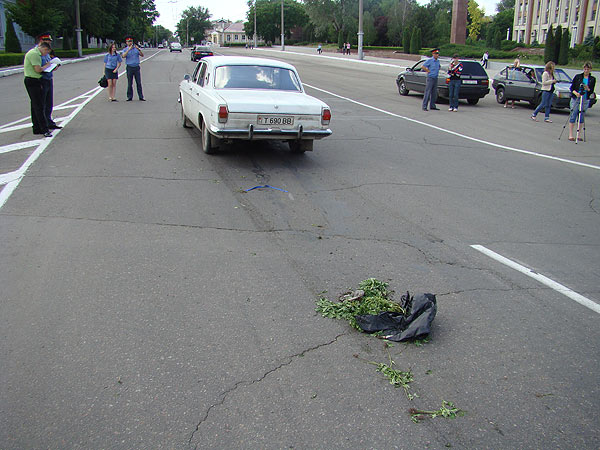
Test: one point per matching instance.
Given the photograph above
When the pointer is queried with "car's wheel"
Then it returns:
(500, 95)
(304, 145)
(402, 88)
(473, 101)
(185, 123)
(207, 141)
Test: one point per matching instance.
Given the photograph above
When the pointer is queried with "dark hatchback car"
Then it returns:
(200, 51)
(475, 80)
(525, 83)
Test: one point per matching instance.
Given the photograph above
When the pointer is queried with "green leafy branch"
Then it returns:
(447, 410)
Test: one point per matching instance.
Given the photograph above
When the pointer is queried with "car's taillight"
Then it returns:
(223, 113)
(485, 82)
(448, 80)
(210, 54)
(325, 116)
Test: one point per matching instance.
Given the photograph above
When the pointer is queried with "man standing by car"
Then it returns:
(47, 85)
(132, 58)
(454, 72)
(432, 68)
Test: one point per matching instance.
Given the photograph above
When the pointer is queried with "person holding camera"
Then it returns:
(548, 81)
(132, 54)
(582, 89)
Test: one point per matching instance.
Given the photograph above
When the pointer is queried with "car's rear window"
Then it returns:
(473, 68)
(256, 77)
(202, 49)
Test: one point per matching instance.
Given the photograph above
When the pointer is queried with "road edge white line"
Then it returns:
(584, 301)
(464, 136)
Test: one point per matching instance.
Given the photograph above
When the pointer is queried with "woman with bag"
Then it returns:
(112, 62)
(548, 81)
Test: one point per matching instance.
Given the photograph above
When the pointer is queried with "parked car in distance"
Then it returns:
(200, 51)
(237, 97)
(160, 46)
(475, 80)
(525, 83)
(175, 47)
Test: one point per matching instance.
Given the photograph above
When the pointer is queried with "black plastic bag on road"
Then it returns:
(397, 327)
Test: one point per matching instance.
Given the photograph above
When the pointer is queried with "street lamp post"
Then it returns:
(78, 29)
(360, 30)
(508, 34)
(254, 23)
(282, 32)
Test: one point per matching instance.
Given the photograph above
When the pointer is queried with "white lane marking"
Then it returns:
(359, 61)
(464, 136)
(12, 179)
(20, 146)
(541, 278)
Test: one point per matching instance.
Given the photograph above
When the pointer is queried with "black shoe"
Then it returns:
(142, 99)
(424, 109)
(47, 134)
(129, 99)
(54, 127)
(434, 108)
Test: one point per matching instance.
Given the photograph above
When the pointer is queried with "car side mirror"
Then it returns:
(187, 77)
(409, 69)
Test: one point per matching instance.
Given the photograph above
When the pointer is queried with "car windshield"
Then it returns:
(256, 77)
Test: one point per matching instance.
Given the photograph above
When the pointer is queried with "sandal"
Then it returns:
(534, 119)
(547, 121)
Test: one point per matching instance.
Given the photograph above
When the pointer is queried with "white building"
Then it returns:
(534, 17)
(225, 33)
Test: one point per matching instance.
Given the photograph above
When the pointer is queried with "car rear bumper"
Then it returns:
(269, 133)
(465, 92)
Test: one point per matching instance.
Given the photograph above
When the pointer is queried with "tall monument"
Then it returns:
(458, 32)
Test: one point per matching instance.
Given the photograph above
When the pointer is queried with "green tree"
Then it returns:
(497, 44)
(596, 49)
(504, 5)
(194, 23)
(406, 40)
(369, 28)
(476, 16)
(415, 41)
(549, 46)
(12, 44)
(557, 40)
(325, 14)
(268, 18)
(563, 57)
(37, 16)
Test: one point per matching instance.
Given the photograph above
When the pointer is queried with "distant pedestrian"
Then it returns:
(132, 55)
(582, 89)
(319, 49)
(516, 66)
(348, 47)
(484, 59)
(48, 84)
(454, 73)
(432, 68)
(548, 81)
(32, 69)
(112, 62)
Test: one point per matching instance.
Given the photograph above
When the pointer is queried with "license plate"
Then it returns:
(469, 81)
(275, 120)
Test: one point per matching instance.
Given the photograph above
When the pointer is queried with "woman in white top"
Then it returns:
(548, 81)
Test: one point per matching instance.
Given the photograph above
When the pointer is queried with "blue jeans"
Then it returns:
(574, 105)
(430, 92)
(453, 91)
(546, 103)
(134, 72)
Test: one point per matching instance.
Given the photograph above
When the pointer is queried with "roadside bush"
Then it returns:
(11, 59)
(472, 51)
(509, 45)
(12, 44)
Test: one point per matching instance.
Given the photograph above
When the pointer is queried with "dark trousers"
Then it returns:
(48, 100)
(34, 90)
(430, 92)
(134, 72)
(453, 92)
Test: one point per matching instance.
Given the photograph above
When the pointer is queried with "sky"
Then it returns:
(170, 10)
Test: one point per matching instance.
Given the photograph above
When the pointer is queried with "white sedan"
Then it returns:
(236, 97)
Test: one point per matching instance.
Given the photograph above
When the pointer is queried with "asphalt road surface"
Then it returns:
(148, 301)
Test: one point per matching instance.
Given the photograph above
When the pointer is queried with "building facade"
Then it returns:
(225, 33)
(533, 19)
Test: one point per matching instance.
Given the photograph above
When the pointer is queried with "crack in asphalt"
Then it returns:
(592, 201)
(462, 188)
(227, 392)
